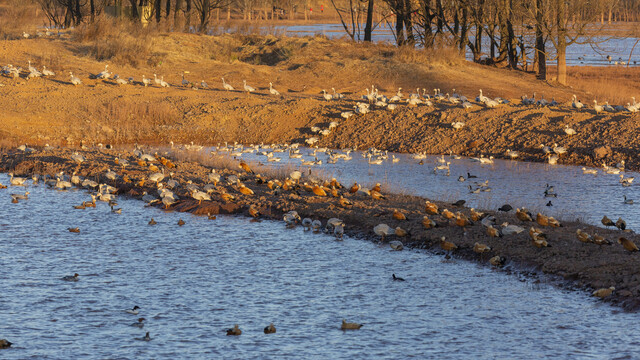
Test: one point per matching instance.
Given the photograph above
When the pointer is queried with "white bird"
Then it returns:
(569, 131)
(457, 125)
(576, 103)
(156, 80)
(16, 181)
(200, 196)
(383, 230)
(104, 74)
(163, 83)
(327, 96)
(145, 81)
(273, 91)
(185, 82)
(74, 80)
(346, 114)
(337, 95)
(589, 171)
(597, 108)
(46, 72)
(203, 84)
(227, 86)
(247, 88)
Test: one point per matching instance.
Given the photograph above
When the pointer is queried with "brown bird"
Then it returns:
(349, 326)
(211, 217)
(523, 215)
(538, 238)
(428, 223)
(446, 245)
(3, 186)
(152, 222)
(600, 240)
(126, 179)
(621, 224)
(607, 222)
(245, 190)
(376, 195)
(270, 329)
(141, 183)
(335, 184)
(317, 190)
(181, 222)
(583, 236)
(462, 220)
(377, 188)
(80, 207)
(604, 292)
(74, 230)
(628, 244)
(476, 215)
(354, 188)
(245, 167)
(235, 330)
(142, 163)
(400, 232)
(481, 248)
(345, 202)
(553, 222)
(334, 192)
(153, 168)
(448, 214)
(497, 261)
(542, 220)
(253, 211)
(398, 215)
(431, 208)
(227, 197)
(493, 232)
(5, 344)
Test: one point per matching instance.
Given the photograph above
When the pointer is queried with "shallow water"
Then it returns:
(194, 281)
(579, 196)
(578, 53)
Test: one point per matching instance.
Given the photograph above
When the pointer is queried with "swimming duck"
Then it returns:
(73, 277)
(604, 292)
(146, 337)
(234, 331)
(5, 344)
(270, 329)
(134, 310)
(74, 230)
(627, 201)
(152, 222)
(139, 323)
(396, 278)
(350, 326)
(589, 171)
(211, 217)
(181, 222)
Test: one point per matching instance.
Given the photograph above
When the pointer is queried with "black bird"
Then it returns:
(550, 194)
(469, 176)
(459, 203)
(549, 203)
(505, 208)
(396, 278)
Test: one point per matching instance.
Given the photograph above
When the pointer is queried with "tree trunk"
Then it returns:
(561, 50)
(92, 10)
(168, 8)
(368, 29)
(205, 12)
(399, 27)
(78, 13)
(134, 10)
(440, 22)
(177, 9)
(158, 10)
(188, 13)
(408, 23)
(541, 57)
(463, 30)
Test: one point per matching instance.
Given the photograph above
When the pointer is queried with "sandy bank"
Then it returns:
(585, 265)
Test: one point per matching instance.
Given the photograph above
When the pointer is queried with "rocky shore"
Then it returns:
(586, 266)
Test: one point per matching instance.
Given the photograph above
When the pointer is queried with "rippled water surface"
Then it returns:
(579, 196)
(194, 281)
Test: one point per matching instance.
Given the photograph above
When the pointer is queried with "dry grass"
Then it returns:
(121, 42)
(613, 84)
(16, 17)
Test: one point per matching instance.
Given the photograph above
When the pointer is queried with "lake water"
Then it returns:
(193, 282)
(578, 54)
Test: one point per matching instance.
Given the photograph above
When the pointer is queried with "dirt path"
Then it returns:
(586, 266)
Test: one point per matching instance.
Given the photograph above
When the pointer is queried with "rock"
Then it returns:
(602, 152)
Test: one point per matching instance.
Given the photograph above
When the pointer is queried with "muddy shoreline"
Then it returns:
(569, 262)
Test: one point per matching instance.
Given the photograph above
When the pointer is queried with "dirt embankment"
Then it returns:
(51, 110)
(584, 265)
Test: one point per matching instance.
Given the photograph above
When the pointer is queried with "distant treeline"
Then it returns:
(508, 33)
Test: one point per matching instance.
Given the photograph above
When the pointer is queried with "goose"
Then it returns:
(383, 230)
(104, 74)
(157, 177)
(597, 108)
(608, 108)
(273, 91)
(626, 181)
(576, 104)
(346, 114)
(327, 96)
(350, 326)
(121, 81)
(569, 131)
(200, 195)
(185, 82)
(337, 95)
(145, 81)
(46, 72)
(466, 105)
(589, 171)
(248, 89)
(226, 86)
(559, 149)
(16, 197)
(631, 108)
(512, 154)
(156, 80)
(16, 181)
(306, 224)
(163, 83)
(457, 125)
(270, 329)
(338, 231)
(74, 80)
(77, 158)
(73, 277)
(627, 201)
